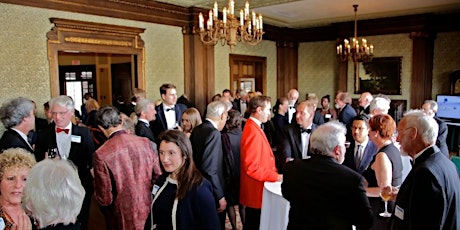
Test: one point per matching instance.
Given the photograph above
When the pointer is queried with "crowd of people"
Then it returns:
(165, 165)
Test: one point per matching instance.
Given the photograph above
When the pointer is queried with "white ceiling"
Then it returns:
(312, 13)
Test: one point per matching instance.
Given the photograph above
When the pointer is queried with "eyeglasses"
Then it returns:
(59, 113)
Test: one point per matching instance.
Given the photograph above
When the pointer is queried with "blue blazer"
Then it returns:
(368, 154)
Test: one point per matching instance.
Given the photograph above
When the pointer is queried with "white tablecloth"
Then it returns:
(275, 209)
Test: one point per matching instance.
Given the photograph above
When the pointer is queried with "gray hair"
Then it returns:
(64, 101)
(380, 104)
(426, 126)
(53, 193)
(142, 105)
(216, 109)
(433, 105)
(15, 110)
(326, 137)
(108, 116)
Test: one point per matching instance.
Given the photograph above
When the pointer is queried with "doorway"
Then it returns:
(107, 77)
(107, 60)
(248, 73)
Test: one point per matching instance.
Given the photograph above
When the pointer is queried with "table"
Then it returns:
(275, 209)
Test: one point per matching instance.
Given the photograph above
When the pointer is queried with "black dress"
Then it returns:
(377, 203)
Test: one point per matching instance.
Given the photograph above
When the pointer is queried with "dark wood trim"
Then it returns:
(422, 68)
(287, 67)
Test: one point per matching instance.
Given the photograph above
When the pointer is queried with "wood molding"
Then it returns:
(287, 67)
(422, 69)
(79, 36)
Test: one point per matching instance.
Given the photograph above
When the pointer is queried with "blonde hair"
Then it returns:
(194, 117)
(15, 157)
(91, 105)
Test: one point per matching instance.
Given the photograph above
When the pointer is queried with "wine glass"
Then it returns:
(385, 194)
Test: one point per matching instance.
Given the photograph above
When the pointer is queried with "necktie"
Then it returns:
(302, 130)
(58, 130)
(359, 155)
(169, 109)
(262, 126)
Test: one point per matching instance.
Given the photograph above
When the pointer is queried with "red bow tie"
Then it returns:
(58, 130)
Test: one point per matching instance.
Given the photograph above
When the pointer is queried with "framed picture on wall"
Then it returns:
(381, 75)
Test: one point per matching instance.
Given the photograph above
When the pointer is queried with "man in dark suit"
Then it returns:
(431, 108)
(241, 103)
(296, 137)
(318, 117)
(18, 117)
(361, 151)
(71, 142)
(346, 111)
(208, 154)
(429, 196)
(169, 113)
(293, 96)
(364, 101)
(145, 111)
(340, 201)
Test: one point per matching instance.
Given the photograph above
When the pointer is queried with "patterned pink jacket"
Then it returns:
(123, 168)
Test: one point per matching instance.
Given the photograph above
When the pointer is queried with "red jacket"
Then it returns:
(257, 165)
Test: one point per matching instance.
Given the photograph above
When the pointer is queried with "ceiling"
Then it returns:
(314, 13)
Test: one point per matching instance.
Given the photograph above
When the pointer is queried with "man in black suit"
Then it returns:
(18, 117)
(169, 113)
(364, 101)
(324, 194)
(71, 142)
(293, 96)
(241, 103)
(295, 138)
(145, 111)
(361, 151)
(208, 154)
(429, 197)
(431, 108)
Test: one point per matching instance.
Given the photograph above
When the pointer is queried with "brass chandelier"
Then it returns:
(363, 52)
(230, 30)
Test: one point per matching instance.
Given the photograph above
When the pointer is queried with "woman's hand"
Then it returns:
(23, 223)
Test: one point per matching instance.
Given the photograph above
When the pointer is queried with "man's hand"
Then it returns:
(222, 205)
(280, 177)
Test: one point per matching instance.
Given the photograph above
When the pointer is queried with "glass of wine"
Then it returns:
(385, 194)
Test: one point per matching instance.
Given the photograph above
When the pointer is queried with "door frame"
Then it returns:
(79, 36)
(260, 61)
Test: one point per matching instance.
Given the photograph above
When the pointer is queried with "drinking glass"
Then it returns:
(385, 194)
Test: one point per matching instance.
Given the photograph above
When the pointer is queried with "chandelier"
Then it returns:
(230, 30)
(363, 52)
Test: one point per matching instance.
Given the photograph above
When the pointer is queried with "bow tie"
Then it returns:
(169, 109)
(243, 102)
(291, 107)
(302, 130)
(58, 130)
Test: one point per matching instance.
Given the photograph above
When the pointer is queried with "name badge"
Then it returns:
(327, 116)
(399, 212)
(155, 189)
(75, 138)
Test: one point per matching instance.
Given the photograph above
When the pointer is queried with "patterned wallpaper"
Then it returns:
(222, 64)
(24, 54)
(317, 69)
(446, 61)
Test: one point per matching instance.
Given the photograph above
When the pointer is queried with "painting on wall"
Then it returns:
(381, 75)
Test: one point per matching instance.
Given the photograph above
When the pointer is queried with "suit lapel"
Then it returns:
(24, 142)
(178, 113)
(297, 137)
(162, 117)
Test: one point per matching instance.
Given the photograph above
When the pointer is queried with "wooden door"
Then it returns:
(248, 73)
